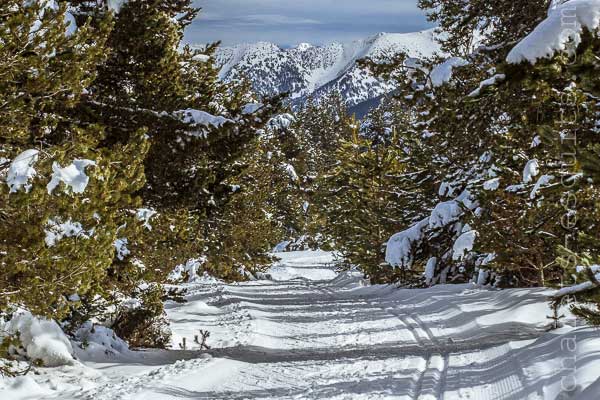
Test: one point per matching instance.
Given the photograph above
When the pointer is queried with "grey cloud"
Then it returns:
(288, 22)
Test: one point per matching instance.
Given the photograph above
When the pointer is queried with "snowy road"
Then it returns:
(315, 335)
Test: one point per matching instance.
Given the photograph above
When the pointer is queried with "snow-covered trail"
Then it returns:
(315, 335)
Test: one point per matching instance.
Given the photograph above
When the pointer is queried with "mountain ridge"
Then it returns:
(310, 70)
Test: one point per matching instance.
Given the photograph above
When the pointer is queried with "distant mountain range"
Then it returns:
(308, 70)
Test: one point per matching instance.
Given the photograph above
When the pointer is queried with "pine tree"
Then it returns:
(361, 200)
(198, 127)
(319, 129)
(57, 239)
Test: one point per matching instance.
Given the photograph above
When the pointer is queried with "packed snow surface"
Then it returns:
(315, 334)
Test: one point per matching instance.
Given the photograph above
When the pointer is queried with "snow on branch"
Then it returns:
(582, 287)
(560, 31)
(399, 249)
(73, 176)
(402, 247)
(200, 117)
(21, 171)
(442, 73)
(494, 80)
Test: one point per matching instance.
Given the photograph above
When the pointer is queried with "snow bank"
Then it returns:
(560, 31)
(21, 171)
(21, 388)
(42, 339)
(73, 176)
(310, 265)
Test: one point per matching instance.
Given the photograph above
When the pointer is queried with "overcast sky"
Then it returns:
(289, 22)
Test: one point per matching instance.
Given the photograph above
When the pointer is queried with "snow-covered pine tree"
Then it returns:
(526, 116)
(286, 158)
(266, 205)
(444, 157)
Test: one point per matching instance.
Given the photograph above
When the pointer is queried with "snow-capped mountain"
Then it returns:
(307, 70)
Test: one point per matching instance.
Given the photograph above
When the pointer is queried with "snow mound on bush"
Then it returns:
(97, 341)
(531, 170)
(442, 73)
(56, 230)
(41, 338)
(399, 249)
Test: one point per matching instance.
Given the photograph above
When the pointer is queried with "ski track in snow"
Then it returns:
(341, 339)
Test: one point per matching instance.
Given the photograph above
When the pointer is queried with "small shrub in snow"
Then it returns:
(97, 339)
(142, 322)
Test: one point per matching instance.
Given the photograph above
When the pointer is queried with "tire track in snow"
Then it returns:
(430, 384)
